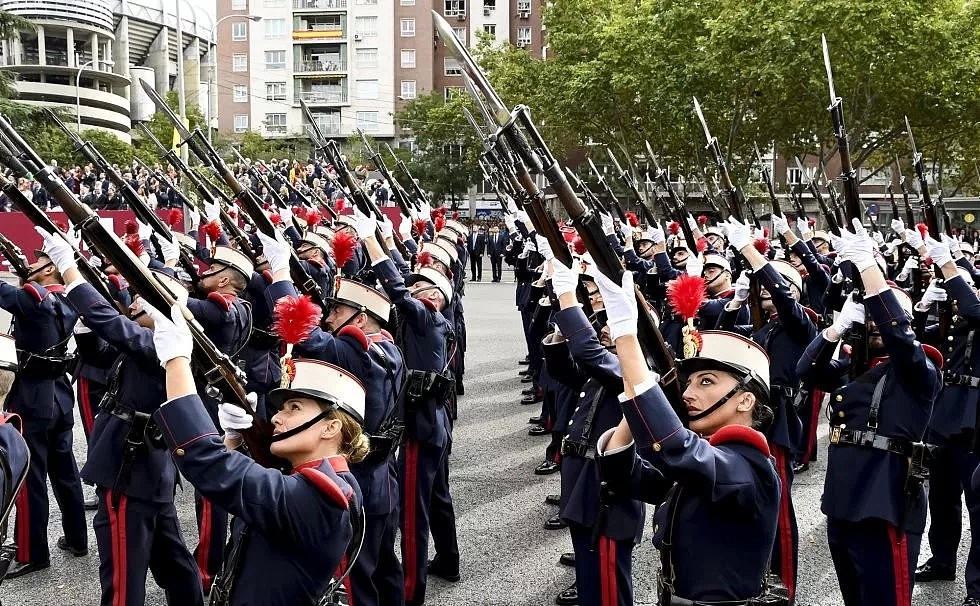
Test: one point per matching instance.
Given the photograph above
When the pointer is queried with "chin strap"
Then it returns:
(725, 398)
(713, 280)
(301, 428)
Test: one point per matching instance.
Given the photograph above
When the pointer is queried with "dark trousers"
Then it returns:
(785, 553)
(949, 477)
(809, 414)
(603, 572)
(49, 443)
(137, 536)
(90, 393)
(377, 575)
(496, 267)
(212, 534)
(442, 519)
(875, 562)
(476, 267)
(418, 466)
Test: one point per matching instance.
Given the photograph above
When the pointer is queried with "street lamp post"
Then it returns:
(214, 60)
(78, 90)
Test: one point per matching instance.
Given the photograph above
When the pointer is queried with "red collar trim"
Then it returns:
(728, 293)
(314, 463)
(54, 288)
(878, 361)
(380, 337)
(339, 464)
(740, 434)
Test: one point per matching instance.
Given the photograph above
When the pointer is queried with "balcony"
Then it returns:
(330, 96)
(305, 30)
(321, 5)
(329, 127)
(317, 66)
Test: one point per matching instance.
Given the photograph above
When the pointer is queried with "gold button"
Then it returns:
(656, 528)
(841, 414)
(656, 446)
(894, 322)
(179, 452)
(949, 338)
(839, 398)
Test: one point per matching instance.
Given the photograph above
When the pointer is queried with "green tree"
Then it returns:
(162, 128)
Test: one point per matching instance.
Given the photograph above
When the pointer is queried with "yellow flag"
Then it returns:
(176, 138)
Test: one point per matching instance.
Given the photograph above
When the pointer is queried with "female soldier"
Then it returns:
(722, 495)
(290, 531)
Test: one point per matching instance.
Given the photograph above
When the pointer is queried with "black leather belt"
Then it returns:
(955, 380)
(262, 339)
(870, 439)
(577, 449)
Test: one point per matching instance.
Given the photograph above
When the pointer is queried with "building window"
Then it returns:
(408, 2)
(460, 35)
(451, 67)
(366, 2)
(241, 123)
(795, 177)
(453, 91)
(455, 8)
(366, 57)
(408, 28)
(274, 3)
(275, 123)
(489, 4)
(275, 59)
(408, 89)
(366, 27)
(274, 28)
(239, 62)
(368, 122)
(275, 91)
(524, 36)
(408, 57)
(524, 6)
(367, 89)
(239, 31)
(239, 5)
(240, 93)
(490, 28)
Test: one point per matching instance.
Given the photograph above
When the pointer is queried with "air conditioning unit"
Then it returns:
(524, 14)
(521, 44)
(357, 37)
(461, 16)
(487, 12)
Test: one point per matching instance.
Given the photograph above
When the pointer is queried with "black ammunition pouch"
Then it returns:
(43, 366)
(954, 380)
(420, 385)
(577, 449)
(263, 339)
(384, 443)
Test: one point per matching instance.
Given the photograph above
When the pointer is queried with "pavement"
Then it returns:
(507, 558)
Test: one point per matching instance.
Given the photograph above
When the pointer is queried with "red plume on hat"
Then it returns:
(135, 244)
(455, 215)
(702, 219)
(632, 219)
(339, 205)
(175, 218)
(674, 228)
(578, 245)
(421, 226)
(343, 247)
(295, 317)
(439, 212)
(923, 229)
(440, 222)
(276, 219)
(212, 230)
(686, 294)
(424, 259)
(569, 234)
(314, 218)
(811, 222)
(701, 244)
(301, 212)
(761, 245)
(131, 227)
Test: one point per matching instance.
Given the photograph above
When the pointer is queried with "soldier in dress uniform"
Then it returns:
(14, 455)
(423, 337)
(136, 524)
(873, 495)
(43, 398)
(291, 532)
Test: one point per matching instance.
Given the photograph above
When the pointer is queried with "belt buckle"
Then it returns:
(835, 433)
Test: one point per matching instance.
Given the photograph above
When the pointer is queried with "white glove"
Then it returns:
(857, 247)
(233, 418)
(276, 250)
(426, 211)
(739, 234)
(212, 211)
(74, 237)
(851, 313)
(627, 230)
(743, 286)
(779, 224)
(938, 251)
(954, 246)
(913, 239)
(510, 222)
(364, 226)
(934, 293)
(195, 216)
(386, 227)
(620, 304)
(59, 251)
(405, 228)
(692, 224)
(879, 238)
(694, 265)
(803, 226)
(544, 248)
(657, 234)
(143, 231)
(910, 264)
(511, 205)
(171, 336)
(607, 224)
(523, 218)
(286, 214)
(168, 248)
(898, 226)
(563, 279)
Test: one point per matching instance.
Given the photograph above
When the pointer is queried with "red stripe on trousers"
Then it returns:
(117, 533)
(408, 507)
(204, 544)
(785, 529)
(607, 571)
(900, 564)
(85, 405)
(816, 398)
(23, 526)
(347, 584)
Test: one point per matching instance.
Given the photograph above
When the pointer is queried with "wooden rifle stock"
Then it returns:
(15, 257)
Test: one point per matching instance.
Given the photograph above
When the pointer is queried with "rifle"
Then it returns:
(397, 192)
(250, 204)
(678, 207)
(814, 189)
(627, 178)
(15, 256)
(217, 370)
(767, 179)
(420, 196)
(729, 194)
(609, 192)
(138, 206)
(512, 126)
(909, 215)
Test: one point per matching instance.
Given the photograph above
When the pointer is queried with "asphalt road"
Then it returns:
(507, 557)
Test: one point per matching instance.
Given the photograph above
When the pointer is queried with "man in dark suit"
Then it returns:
(476, 246)
(496, 247)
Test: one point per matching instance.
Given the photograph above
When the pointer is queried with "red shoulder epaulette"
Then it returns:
(267, 276)
(934, 354)
(742, 435)
(221, 300)
(33, 291)
(812, 314)
(325, 485)
(355, 333)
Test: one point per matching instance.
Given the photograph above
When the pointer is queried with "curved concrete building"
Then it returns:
(81, 52)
